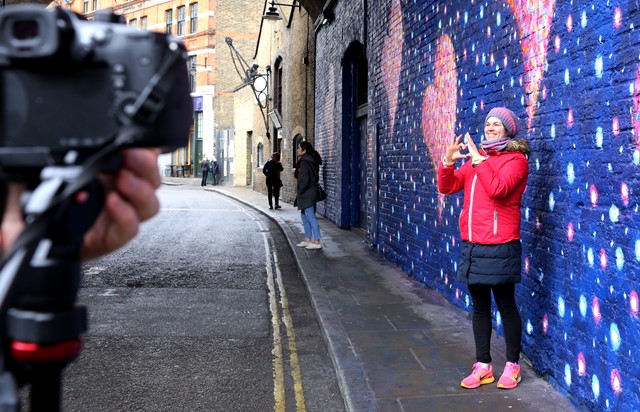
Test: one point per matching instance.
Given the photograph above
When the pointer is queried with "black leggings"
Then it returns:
(512, 324)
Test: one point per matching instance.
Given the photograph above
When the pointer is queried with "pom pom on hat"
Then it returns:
(508, 118)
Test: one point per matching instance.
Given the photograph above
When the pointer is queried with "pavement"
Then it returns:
(396, 345)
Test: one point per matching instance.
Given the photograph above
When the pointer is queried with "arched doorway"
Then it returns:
(355, 78)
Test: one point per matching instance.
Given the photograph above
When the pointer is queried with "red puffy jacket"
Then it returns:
(492, 194)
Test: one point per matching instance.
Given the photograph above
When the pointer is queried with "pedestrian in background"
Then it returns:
(493, 183)
(215, 171)
(308, 194)
(204, 165)
(272, 170)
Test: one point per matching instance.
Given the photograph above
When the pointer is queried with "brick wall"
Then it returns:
(571, 72)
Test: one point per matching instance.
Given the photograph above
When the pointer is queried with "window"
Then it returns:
(94, 4)
(198, 125)
(133, 23)
(191, 67)
(193, 17)
(260, 155)
(168, 16)
(143, 22)
(277, 86)
(181, 21)
(85, 6)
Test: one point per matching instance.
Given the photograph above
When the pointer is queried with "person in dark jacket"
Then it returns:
(493, 182)
(215, 171)
(272, 170)
(204, 165)
(308, 194)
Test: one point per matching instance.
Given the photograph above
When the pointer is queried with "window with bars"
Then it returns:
(133, 23)
(193, 17)
(143, 22)
(94, 4)
(85, 6)
(168, 17)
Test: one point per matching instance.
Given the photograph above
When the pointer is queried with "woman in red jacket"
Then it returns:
(493, 183)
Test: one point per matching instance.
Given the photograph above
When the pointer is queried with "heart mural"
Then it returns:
(392, 60)
(534, 23)
(439, 105)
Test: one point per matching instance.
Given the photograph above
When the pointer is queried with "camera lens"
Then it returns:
(25, 29)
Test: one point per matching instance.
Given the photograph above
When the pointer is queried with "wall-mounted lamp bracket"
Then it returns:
(258, 81)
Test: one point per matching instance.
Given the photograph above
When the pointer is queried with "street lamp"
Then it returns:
(273, 14)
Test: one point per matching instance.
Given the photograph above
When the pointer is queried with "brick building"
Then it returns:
(203, 26)
(286, 46)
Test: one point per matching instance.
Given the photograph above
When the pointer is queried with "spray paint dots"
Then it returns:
(633, 303)
(545, 323)
(624, 193)
(593, 195)
(595, 310)
(599, 67)
(571, 174)
(569, 23)
(615, 126)
(614, 334)
(617, 18)
(570, 118)
(619, 258)
(583, 306)
(595, 386)
(570, 232)
(616, 382)
(604, 260)
(582, 365)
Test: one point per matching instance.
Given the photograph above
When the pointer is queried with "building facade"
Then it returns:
(203, 26)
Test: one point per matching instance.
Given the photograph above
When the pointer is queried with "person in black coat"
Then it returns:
(309, 194)
(272, 170)
(204, 165)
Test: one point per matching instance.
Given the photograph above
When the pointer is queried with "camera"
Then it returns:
(68, 84)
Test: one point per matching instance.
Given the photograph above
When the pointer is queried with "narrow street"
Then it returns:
(203, 311)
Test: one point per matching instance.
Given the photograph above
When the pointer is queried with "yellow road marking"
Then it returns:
(278, 369)
(291, 337)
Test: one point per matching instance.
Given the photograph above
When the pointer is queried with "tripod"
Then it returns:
(39, 283)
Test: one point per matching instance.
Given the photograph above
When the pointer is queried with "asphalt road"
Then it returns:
(203, 311)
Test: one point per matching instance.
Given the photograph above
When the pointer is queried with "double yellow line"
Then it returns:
(276, 288)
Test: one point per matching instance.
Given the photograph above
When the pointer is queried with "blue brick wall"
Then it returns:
(574, 79)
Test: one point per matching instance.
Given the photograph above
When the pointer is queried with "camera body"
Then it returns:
(69, 84)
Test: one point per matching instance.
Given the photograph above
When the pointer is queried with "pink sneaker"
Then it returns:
(479, 376)
(510, 377)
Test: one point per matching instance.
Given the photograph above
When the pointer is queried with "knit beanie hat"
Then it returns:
(508, 118)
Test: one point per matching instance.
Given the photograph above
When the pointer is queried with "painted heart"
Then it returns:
(534, 23)
(439, 104)
(392, 60)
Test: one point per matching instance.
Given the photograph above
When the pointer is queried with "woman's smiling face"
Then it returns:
(494, 129)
